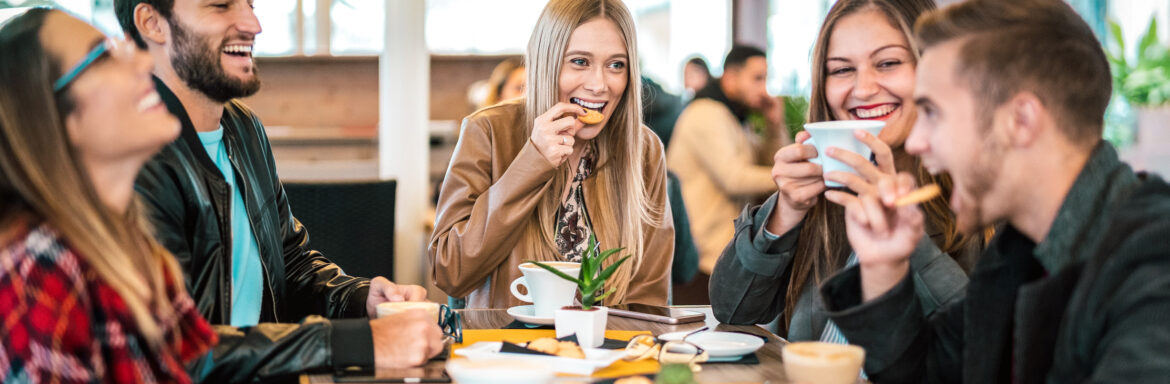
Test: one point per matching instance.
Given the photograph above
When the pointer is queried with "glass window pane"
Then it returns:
(357, 27)
(670, 32)
(104, 18)
(278, 20)
(480, 27)
(792, 31)
(309, 26)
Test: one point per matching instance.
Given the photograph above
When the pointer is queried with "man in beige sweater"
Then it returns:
(714, 151)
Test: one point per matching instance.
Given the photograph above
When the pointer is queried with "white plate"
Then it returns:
(595, 358)
(719, 344)
(527, 314)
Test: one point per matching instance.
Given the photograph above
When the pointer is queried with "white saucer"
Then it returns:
(525, 313)
(719, 344)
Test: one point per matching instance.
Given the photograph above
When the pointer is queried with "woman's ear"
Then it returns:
(150, 24)
(73, 125)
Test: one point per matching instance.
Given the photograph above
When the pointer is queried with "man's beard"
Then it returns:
(984, 173)
(198, 64)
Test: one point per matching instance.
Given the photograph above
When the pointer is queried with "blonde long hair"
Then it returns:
(42, 178)
(621, 187)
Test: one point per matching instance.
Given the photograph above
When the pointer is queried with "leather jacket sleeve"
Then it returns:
(281, 351)
(750, 280)
(478, 217)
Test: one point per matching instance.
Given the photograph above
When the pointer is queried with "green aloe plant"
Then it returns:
(591, 278)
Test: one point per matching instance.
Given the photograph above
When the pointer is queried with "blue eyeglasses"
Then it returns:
(121, 48)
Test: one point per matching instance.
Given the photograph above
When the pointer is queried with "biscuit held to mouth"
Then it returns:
(591, 117)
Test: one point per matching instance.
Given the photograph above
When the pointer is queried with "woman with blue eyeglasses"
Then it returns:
(86, 294)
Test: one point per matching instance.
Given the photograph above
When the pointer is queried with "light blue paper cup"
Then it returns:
(839, 134)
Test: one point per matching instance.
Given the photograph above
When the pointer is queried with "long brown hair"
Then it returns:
(823, 247)
(42, 178)
(625, 205)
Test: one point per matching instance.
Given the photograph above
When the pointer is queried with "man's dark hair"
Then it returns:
(124, 9)
(1038, 46)
(739, 55)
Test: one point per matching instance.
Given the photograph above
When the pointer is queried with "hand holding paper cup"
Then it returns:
(839, 134)
(391, 308)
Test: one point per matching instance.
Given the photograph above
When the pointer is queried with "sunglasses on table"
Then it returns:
(451, 323)
(643, 347)
(113, 47)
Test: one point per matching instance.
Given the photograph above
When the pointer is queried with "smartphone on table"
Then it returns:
(656, 313)
(433, 373)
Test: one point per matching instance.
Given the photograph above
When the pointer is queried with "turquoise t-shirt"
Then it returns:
(247, 273)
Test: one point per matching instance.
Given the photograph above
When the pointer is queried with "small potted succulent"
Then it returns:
(587, 321)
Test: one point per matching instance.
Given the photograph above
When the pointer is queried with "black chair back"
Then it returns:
(352, 223)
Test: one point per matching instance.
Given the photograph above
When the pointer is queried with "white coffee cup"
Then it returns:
(391, 308)
(547, 292)
(839, 134)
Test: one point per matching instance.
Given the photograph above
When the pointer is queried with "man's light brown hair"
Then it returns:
(1039, 46)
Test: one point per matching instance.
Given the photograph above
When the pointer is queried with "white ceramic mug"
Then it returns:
(547, 292)
(390, 308)
(839, 134)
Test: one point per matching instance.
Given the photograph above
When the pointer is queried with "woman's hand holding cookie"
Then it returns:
(553, 132)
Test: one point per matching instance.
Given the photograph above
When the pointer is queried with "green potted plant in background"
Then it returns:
(1143, 81)
(588, 320)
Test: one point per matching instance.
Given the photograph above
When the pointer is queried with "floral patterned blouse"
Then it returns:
(573, 224)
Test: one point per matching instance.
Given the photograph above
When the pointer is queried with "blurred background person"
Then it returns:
(713, 151)
(660, 110)
(696, 76)
(506, 83)
(530, 181)
(87, 294)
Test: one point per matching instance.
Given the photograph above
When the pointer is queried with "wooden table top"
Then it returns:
(769, 370)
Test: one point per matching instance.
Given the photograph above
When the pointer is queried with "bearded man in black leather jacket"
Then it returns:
(306, 315)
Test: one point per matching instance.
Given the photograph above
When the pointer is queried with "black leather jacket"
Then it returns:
(188, 201)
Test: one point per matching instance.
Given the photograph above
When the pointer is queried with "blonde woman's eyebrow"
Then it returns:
(590, 54)
(879, 50)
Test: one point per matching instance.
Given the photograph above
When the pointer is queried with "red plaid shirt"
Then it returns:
(62, 324)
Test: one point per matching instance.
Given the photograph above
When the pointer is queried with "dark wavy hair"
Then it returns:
(124, 10)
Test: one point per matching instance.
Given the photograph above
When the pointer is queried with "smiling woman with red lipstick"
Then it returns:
(863, 68)
(533, 178)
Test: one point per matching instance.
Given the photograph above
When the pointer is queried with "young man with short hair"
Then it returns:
(1076, 286)
(714, 152)
(217, 204)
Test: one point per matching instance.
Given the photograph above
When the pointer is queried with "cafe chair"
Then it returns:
(351, 222)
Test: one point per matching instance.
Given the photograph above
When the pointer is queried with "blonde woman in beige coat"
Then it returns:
(529, 180)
